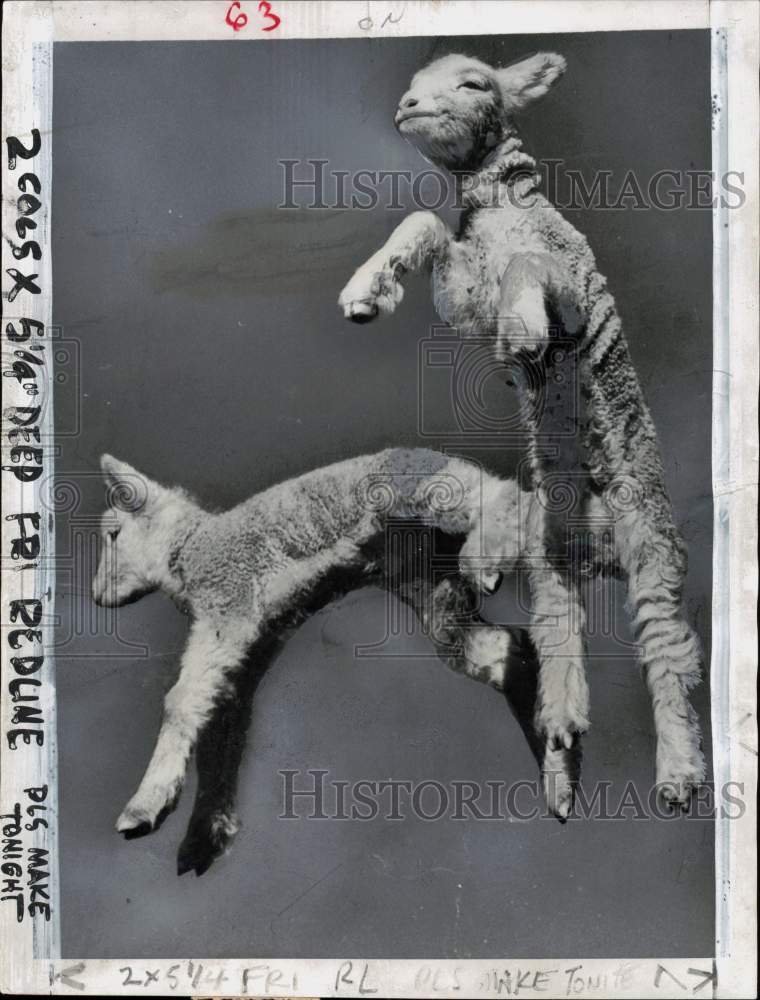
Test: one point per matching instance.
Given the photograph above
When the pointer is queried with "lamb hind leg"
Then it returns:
(214, 821)
(557, 624)
(219, 753)
(560, 767)
(506, 659)
(375, 287)
(501, 657)
(655, 564)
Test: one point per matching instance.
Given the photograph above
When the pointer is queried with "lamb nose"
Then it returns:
(409, 102)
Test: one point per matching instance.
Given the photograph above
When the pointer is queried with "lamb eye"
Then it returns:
(112, 534)
(473, 85)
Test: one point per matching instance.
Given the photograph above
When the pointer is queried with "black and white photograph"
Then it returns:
(380, 540)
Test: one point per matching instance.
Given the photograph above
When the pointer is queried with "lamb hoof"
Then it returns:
(562, 730)
(147, 809)
(676, 796)
(361, 312)
(141, 830)
(197, 856)
(678, 778)
(562, 740)
(558, 791)
(134, 823)
(206, 840)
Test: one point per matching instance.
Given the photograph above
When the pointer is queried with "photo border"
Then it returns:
(30, 950)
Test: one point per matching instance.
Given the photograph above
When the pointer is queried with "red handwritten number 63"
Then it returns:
(266, 9)
(239, 21)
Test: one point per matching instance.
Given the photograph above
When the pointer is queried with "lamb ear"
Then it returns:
(128, 489)
(113, 469)
(530, 78)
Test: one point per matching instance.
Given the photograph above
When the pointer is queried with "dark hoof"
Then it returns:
(674, 806)
(141, 830)
(145, 826)
(205, 841)
(195, 857)
(363, 313)
(568, 741)
(197, 852)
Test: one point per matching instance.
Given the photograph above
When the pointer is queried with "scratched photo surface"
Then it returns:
(201, 342)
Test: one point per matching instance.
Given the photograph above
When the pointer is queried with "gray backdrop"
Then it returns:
(203, 345)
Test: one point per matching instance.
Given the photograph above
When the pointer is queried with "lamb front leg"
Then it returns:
(219, 753)
(535, 296)
(209, 660)
(376, 287)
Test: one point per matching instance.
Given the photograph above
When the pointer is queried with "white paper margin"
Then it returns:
(27, 104)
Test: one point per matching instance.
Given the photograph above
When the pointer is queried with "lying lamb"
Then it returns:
(249, 573)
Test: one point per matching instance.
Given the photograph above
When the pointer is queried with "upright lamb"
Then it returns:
(518, 273)
(246, 575)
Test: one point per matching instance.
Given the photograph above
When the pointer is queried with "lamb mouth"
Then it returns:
(400, 119)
